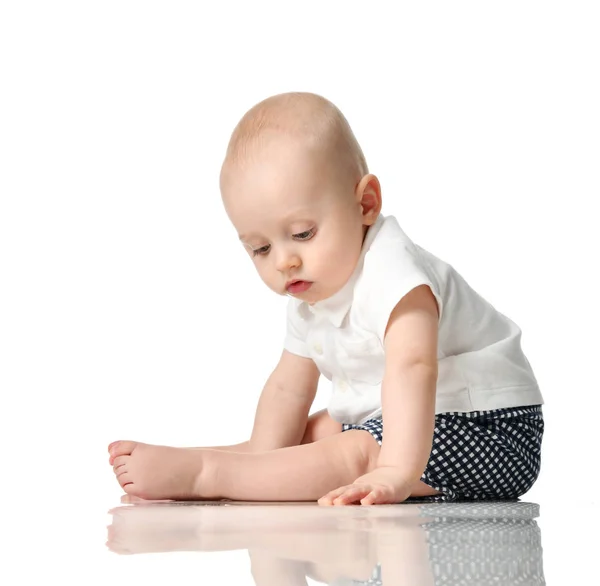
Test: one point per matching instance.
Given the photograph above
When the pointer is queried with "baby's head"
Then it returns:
(296, 187)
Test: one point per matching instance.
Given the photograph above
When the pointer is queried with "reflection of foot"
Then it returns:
(159, 472)
(155, 528)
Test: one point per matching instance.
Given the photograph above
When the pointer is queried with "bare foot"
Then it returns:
(159, 472)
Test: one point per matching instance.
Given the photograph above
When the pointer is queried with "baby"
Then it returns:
(403, 338)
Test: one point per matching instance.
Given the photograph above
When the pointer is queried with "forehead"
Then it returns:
(279, 183)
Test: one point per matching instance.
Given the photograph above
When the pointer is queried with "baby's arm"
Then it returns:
(284, 404)
(408, 404)
(409, 384)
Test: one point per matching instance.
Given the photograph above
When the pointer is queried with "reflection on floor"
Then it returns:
(412, 543)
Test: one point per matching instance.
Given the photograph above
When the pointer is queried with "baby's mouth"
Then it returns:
(298, 286)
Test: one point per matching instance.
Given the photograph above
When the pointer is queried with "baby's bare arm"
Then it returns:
(284, 404)
(282, 413)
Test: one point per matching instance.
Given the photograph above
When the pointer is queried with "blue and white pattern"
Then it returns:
(481, 454)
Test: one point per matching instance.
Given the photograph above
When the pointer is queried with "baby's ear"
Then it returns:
(368, 192)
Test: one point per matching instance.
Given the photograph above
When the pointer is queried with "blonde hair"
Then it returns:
(308, 117)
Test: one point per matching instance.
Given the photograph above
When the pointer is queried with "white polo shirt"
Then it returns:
(481, 365)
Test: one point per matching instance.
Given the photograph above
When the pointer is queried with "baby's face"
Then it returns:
(296, 219)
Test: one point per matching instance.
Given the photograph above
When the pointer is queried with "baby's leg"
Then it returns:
(298, 473)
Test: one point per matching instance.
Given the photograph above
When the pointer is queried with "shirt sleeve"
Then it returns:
(296, 331)
(389, 274)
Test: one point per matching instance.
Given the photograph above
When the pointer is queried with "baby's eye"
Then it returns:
(304, 235)
(261, 250)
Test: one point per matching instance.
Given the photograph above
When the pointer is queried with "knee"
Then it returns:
(371, 451)
(320, 425)
(362, 450)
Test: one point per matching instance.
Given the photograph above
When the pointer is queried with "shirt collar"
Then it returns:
(336, 307)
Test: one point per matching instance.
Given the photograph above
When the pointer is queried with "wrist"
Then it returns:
(403, 474)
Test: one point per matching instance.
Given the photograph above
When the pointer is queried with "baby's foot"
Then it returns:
(159, 472)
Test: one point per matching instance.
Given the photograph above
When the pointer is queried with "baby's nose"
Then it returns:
(285, 261)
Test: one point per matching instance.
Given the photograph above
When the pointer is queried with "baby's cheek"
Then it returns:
(336, 261)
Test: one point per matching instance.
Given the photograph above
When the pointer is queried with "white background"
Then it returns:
(128, 307)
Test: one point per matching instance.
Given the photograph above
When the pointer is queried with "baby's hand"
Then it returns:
(385, 485)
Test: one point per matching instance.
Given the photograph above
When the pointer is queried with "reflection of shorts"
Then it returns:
(480, 455)
(473, 543)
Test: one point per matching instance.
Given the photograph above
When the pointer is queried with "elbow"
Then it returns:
(413, 369)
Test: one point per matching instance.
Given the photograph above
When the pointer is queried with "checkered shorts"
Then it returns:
(479, 455)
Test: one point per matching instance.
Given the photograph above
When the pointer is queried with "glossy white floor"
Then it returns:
(300, 543)
(78, 538)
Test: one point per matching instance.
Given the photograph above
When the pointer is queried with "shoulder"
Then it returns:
(391, 250)
(393, 267)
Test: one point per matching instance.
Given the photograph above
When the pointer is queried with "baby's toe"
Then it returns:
(119, 462)
(124, 479)
(132, 489)
(122, 448)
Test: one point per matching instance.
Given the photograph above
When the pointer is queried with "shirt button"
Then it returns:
(318, 348)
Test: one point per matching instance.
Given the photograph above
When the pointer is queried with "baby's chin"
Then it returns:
(316, 298)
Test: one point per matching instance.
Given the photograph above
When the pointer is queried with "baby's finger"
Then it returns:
(331, 495)
(351, 495)
(370, 499)
(325, 500)
(376, 497)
